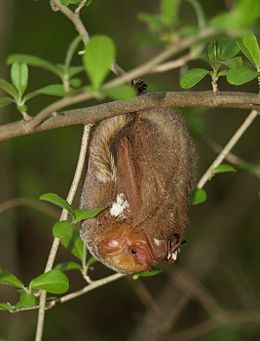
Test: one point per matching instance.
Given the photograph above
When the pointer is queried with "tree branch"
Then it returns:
(86, 115)
(234, 139)
(64, 216)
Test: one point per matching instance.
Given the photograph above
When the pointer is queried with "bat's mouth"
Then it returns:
(165, 250)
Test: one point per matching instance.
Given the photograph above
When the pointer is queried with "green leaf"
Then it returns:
(222, 49)
(243, 16)
(250, 48)
(26, 301)
(75, 82)
(199, 196)
(91, 261)
(8, 278)
(234, 62)
(192, 77)
(82, 214)
(54, 281)
(151, 273)
(19, 76)
(241, 75)
(69, 237)
(121, 92)
(8, 88)
(50, 90)
(4, 101)
(34, 61)
(67, 266)
(169, 12)
(71, 51)
(98, 58)
(6, 306)
(154, 22)
(223, 168)
(58, 201)
(74, 70)
(70, 2)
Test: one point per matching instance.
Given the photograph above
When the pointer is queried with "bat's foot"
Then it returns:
(140, 86)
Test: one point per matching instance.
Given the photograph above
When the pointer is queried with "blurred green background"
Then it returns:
(223, 250)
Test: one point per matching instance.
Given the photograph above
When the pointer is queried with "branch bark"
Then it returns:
(86, 115)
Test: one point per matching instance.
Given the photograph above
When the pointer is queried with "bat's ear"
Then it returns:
(127, 179)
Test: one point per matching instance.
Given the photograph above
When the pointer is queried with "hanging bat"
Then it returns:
(141, 170)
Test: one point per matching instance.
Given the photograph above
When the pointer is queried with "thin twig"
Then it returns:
(79, 26)
(174, 64)
(133, 74)
(93, 285)
(232, 158)
(231, 143)
(36, 204)
(64, 216)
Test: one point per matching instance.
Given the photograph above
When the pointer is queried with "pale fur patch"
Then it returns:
(103, 160)
(119, 206)
(158, 242)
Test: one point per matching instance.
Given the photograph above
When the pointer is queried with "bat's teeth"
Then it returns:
(175, 255)
(169, 255)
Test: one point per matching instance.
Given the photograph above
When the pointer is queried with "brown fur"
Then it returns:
(159, 157)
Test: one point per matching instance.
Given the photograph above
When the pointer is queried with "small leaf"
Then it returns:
(199, 196)
(4, 101)
(169, 11)
(74, 70)
(223, 168)
(98, 58)
(192, 77)
(6, 306)
(34, 61)
(58, 201)
(8, 278)
(250, 48)
(54, 281)
(8, 88)
(61, 228)
(26, 301)
(82, 214)
(151, 273)
(121, 92)
(19, 76)
(222, 49)
(75, 82)
(241, 75)
(71, 51)
(52, 90)
(234, 62)
(67, 266)
(69, 237)
(91, 261)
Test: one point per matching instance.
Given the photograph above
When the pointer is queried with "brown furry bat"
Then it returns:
(141, 170)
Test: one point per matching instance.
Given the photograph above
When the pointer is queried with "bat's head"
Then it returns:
(128, 250)
(125, 250)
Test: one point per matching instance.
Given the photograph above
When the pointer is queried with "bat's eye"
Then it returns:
(133, 251)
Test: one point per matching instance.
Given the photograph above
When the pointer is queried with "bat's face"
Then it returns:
(126, 249)
(129, 251)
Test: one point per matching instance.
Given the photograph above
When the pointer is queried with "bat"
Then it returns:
(141, 170)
